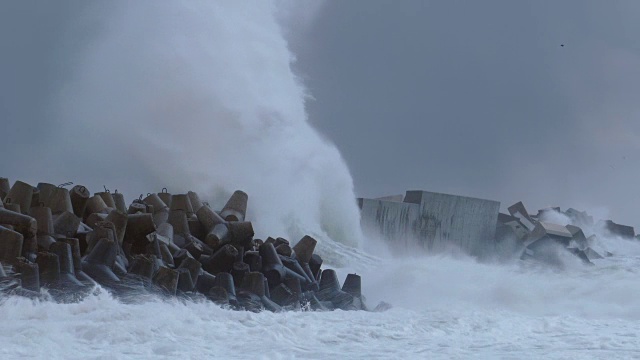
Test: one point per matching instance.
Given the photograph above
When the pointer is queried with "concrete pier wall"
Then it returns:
(396, 222)
(434, 222)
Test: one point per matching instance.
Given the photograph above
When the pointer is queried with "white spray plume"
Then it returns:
(555, 217)
(201, 95)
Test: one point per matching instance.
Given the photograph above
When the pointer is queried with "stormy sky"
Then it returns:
(479, 98)
(474, 98)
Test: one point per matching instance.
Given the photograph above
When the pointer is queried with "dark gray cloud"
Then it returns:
(480, 98)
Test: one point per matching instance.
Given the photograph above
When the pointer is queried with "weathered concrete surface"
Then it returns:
(434, 222)
(127, 252)
(396, 222)
(465, 222)
(617, 229)
(396, 198)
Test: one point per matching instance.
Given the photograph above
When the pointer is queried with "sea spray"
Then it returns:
(201, 95)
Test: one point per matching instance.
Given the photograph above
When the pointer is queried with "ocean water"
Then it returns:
(444, 307)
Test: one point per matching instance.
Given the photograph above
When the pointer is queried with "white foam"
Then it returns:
(443, 308)
(201, 96)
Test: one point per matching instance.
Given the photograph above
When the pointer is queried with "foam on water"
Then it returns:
(444, 307)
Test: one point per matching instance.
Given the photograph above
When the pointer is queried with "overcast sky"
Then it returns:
(475, 98)
(479, 98)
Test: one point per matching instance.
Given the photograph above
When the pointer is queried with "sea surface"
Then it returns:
(444, 307)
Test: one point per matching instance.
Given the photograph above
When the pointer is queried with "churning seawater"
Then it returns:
(443, 307)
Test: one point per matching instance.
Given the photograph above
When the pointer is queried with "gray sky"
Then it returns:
(474, 98)
(478, 98)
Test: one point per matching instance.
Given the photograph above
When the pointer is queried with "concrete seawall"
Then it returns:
(433, 222)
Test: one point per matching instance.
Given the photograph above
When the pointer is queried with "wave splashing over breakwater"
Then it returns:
(202, 96)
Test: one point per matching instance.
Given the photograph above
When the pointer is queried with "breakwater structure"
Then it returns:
(69, 240)
(433, 222)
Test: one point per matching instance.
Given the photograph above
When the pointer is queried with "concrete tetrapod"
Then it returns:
(194, 267)
(29, 274)
(330, 291)
(119, 219)
(221, 261)
(272, 266)
(79, 196)
(236, 207)
(165, 197)
(95, 204)
(49, 268)
(182, 202)
(44, 192)
(238, 271)
(218, 295)
(218, 236)
(156, 202)
(178, 219)
(167, 280)
(44, 220)
(21, 193)
(253, 284)
(142, 266)
(11, 206)
(254, 260)
(65, 260)
(284, 296)
(137, 208)
(241, 233)
(76, 256)
(205, 282)
(166, 255)
(225, 281)
(295, 270)
(196, 203)
(66, 224)
(180, 255)
(98, 264)
(5, 187)
(304, 248)
(284, 250)
(107, 198)
(138, 227)
(185, 283)
(293, 284)
(118, 199)
(314, 265)
(59, 201)
(10, 246)
(26, 225)
(208, 218)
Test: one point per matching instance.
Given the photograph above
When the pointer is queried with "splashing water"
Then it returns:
(201, 96)
(444, 307)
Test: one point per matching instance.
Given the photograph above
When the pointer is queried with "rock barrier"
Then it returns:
(67, 241)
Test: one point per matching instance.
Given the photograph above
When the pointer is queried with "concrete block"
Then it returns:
(579, 217)
(5, 187)
(393, 198)
(236, 207)
(21, 193)
(464, 222)
(617, 229)
(397, 223)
